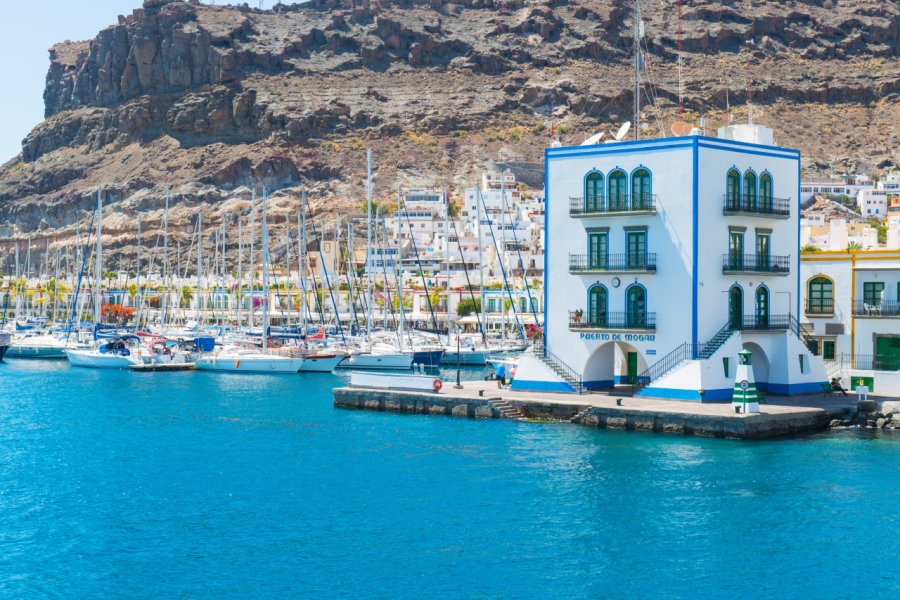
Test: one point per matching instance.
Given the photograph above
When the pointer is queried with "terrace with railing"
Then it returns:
(756, 263)
(884, 308)
(610, 263)
(762, 323)
(581, 321)
(623, 204)
(757, 206)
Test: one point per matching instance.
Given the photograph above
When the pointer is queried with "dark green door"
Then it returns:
(618, 191)
(736, 250)
(887, 353)
(598, 251)
(762, 307)
(637, 249)
(736, 307)
(636, 307)
(632, 367)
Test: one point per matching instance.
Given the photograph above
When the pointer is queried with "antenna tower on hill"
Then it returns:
(680, 67)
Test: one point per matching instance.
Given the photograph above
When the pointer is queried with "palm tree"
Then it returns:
(854, 247)
(187, 295)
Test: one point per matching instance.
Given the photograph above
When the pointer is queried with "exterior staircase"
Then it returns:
(683, 353)
(507, 410)
(567, 373)
(581, 415)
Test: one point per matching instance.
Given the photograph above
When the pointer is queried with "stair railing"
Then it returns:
(557, 364)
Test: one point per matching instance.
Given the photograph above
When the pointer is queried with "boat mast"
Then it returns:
(98, 260)
(304, 249)
(250, 265)
(482, 323)
(398, 273)
(638, 34)
(199, 267)
(369, 241)
(166, 298)
(240, 281)
(264, 250)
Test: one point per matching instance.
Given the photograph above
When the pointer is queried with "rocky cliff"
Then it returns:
(211, 100)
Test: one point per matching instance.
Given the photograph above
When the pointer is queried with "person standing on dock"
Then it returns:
(500, 374)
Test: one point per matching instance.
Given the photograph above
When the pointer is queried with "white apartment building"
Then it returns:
(665, 259)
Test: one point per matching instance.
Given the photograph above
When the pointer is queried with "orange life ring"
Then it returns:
(437, 385)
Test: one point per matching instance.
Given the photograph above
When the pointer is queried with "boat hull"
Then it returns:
(466, 357)
(321, 364)
(45, 352)
(428, 358)
(378, 362)
(250, 364)
(97, 360)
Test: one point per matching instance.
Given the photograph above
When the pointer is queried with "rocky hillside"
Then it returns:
(213, 100)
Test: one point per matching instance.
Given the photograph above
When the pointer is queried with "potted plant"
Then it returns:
(577, 314)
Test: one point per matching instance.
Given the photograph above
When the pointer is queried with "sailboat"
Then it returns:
(115, 353)
(250, 359)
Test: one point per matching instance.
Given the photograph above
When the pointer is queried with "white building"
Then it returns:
(846, 185)
(873, 204)
(666, 258)
(851, 313)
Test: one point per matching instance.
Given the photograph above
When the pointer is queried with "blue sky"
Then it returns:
(27, 30)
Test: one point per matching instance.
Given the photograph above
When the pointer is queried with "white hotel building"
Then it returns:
(667, 257)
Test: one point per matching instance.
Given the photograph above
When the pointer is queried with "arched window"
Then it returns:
(750, 191)
(820, 296)
(523, 304)
(766, 199)
(762, 307)
(736, 307)
(733, 189)
(597, 305)
(593, 191)
(640, 189)
(635, 306)
(618, 190)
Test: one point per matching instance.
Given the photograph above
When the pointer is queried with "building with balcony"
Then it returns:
(851, 309)
(667, 257)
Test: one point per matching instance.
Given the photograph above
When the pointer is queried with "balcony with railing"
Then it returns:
(756, 263)
(884, 308)
(757, 206)
(625, 204)
(819, 308)
(581, 321)
(761, 323)
(612, 263)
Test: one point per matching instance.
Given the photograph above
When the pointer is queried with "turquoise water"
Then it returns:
(194, 485)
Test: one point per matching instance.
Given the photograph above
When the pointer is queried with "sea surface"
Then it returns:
(194, 485)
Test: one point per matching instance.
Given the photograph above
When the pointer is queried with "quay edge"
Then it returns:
(796, 420)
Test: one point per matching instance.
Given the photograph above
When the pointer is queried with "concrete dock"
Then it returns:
(780, 416)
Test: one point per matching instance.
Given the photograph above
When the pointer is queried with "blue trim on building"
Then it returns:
(790, 389)
(695, 255)
(753, 152)
(668, 143)
(797, 266)
(541, 386)
(546, 245)
(600, 384)
(689, 395)
(617, 148)
(725, 142)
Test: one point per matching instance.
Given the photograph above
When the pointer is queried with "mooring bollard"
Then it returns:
(618, 402)
(481, 393)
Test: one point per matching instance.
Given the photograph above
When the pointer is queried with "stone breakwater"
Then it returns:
(698, 422)
(869, 415)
